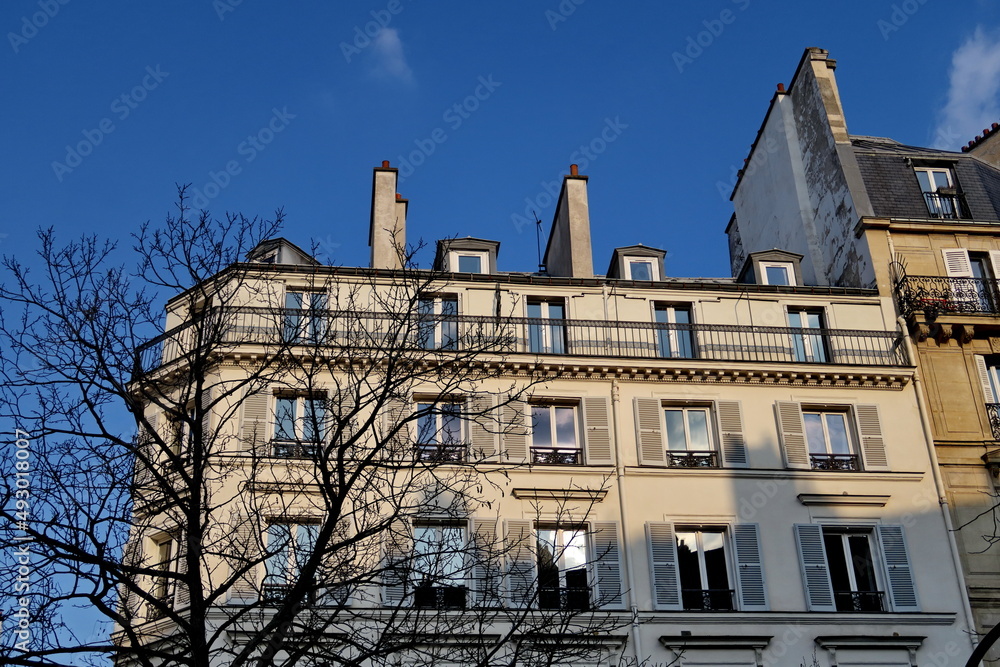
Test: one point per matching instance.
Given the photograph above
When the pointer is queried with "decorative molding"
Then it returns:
(842, 499)
(591, 495)
(680, 643)
(869, 643)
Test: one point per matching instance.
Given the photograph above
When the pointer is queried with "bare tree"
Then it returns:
(280, 476)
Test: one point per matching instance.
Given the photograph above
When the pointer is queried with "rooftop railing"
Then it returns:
(350, 332)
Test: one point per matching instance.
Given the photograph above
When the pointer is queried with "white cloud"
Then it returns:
(974, 81)
(390, 61)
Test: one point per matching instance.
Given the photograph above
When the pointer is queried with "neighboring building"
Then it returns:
(738, 466)
(920, 225)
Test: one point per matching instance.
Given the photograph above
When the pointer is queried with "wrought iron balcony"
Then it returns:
(711, 599)
(441, 453)
(846, 462)
(294, 449)
(859, 600)
(993, 412)
(351, 333)
(276, 593)
(947, 205)
(555, 456)
(440, 597)
(569, 598)
(939, 295)
(692, 459)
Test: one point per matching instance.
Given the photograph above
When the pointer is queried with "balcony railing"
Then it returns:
(846, 462)
(938, 295)
(353, 332)
(993, 412)
(555, 456)
(711, 599)
(440, 597)
(441, 453)
(947, 206)
(292, 449)
(276, 593)
(569, 598)
(859, 600)
(692, 459)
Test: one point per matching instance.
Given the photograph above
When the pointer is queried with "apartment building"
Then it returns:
(569, 468)
(922, 227)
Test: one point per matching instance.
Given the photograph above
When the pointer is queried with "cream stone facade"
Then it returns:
(690, 470)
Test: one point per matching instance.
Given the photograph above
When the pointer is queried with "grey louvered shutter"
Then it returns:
(515, 433)
(983, 373)
(607, 565)
(485, 568)
(734, 446)
(815, 571)
(182, 593)
(872, 444)
(397, 545)
(520, 562)
(649, 432)
(749, 567)
(243, 555)
(255, 421)
(131, 558)
(340, 415)
(483, 427)
(793, 435)
(395, 434)
(146, 450)
(663, 566)
(902, 590)
(597, 419)
(206, 418)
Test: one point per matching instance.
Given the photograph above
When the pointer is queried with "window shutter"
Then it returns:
(182, 593)
(815, 572)
(131, 558)
(397, 545)
(872, 443)
(956, 263)
(793, 435)
(663, 565)
(984, 379)
(206, 418)
(995, 263)
(340, 407)
(520, 562)
(649, 432)
(395, 433)
(750, 567)
(485, 567)
(734, 446)
(255, 420)
(515, 433)
(483, 427)
(607, 565)
(146, 450)
(244, 557)
(596, 418)
(902, 591)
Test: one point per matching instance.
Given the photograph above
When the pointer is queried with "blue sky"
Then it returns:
(681, 87)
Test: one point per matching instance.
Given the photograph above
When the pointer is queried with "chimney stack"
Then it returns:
(568, 251)
(387, 234)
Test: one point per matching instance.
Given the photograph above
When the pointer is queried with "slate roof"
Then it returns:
(887, 170)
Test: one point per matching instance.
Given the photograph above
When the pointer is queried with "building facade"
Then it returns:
(573, 468)
(922, 226)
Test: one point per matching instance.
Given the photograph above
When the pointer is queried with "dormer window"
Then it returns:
(940, 192)
(641, 268)
(466, 261)
(777, 273)
(467, 255)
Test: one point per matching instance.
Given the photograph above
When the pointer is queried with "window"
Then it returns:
(777, 273)
(829, 440)
(856, 568)
(289, 545)
(437, 322)
(674, 335)
(305, 316)
(689, 439)
(166, 563)
(937, 186)
(984, 283)
(562, 569)
(439, 566)
(554, 434)
(299, 425)
(808, 347)
(547, 326)
(469, 261)
(439, 432)
(181, 443)
(641, 268)
(988, 370)
(702, 564)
